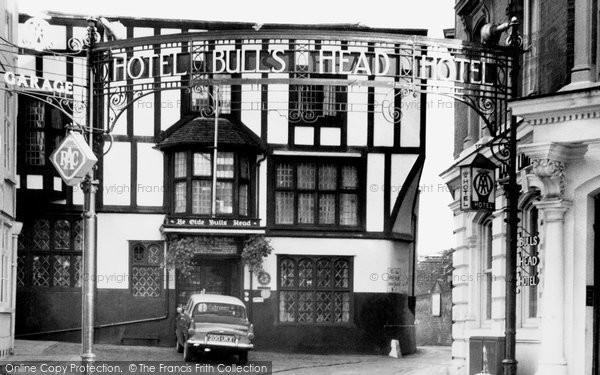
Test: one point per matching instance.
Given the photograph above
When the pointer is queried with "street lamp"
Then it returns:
(89, 186)
(508, 156)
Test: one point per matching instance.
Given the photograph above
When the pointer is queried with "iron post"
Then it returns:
(511, 191)
(90, 186)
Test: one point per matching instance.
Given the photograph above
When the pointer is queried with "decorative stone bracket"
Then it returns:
(549, 164)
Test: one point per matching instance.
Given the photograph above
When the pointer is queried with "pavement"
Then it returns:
(430, 360)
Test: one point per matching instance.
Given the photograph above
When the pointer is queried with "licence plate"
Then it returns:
(220, 338)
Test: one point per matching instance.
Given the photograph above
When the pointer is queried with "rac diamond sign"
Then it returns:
(73, 158)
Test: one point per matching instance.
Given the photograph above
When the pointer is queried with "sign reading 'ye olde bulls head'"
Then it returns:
(477, 184)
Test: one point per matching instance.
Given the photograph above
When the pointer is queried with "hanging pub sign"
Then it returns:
(527, 261)
(477, 184)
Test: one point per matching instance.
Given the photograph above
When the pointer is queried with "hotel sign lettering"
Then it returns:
(396, 65)
(448, 68)
(527, 261)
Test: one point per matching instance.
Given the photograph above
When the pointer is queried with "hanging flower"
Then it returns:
(256, 248)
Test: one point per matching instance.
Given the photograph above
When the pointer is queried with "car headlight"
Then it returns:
(251, 332)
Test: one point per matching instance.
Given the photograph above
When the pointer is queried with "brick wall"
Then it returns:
(434, 274)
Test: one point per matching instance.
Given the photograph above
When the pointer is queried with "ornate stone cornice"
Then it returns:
(558, 107)
(548, 163)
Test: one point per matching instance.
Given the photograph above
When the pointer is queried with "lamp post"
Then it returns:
(90, 186)
(511, 190)
(490, 35)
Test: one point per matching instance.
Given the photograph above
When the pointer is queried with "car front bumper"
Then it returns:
(203, 344)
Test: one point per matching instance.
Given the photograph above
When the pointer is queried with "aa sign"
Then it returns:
(478, 184)
(73, 159)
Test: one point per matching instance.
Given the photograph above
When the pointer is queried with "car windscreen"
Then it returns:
(219, 309)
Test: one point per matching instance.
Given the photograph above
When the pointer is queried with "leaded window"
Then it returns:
(42, 130)
(193, 183)
(203, 97)
(146, 270)
(316, 194)
(314, 289)
(49, 253)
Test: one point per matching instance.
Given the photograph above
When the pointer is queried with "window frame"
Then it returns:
(531, 224)
(486, 268)
(339, 163)
(296, 288)
(53, 134)
(26, 253)
(237, 180)
(296, 119)
(160, 266)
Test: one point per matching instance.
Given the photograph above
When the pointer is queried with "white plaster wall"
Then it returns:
(150, 184)
(410, 125)
(372, 259)
(401, 166)
(277, 119)
(375, 192)
(114, 232)
(116, 181)
(383, 124)
(251, 103)
(357, 129)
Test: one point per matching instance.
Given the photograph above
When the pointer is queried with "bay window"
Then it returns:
(193, 183)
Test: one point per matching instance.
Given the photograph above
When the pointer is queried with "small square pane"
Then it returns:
(225, 165)
(180, 198)
(243, 200)
(224, 197)
(180, 165)
(285, 175)
(327, 209)
(349, 177)
(306, 176)
(244, 168)
(348, 209)
(284, 208)
(306, 209)
(201, 197)
(202, 164)
(327, 177)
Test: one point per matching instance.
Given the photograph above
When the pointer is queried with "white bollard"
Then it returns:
(395, 352)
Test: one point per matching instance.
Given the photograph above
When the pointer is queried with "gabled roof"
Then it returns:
(200, 131)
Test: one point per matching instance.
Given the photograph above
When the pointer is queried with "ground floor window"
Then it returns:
(315, 289)
(146, 270)
(50, 253)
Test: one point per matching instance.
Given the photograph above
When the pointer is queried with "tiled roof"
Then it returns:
(201, 130)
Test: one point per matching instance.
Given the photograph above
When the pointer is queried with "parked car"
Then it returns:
(211, 322)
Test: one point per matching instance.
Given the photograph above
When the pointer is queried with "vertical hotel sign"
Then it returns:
(477, 184)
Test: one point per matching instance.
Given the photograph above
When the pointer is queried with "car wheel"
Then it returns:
(187, 353)
(243, 358)
(178, 346)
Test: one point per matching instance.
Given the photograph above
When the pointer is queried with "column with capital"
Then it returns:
(552, 359)
(549, 164)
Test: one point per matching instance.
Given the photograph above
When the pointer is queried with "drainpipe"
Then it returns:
(16, 231)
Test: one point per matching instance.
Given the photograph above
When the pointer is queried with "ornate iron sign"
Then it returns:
(391, 66)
